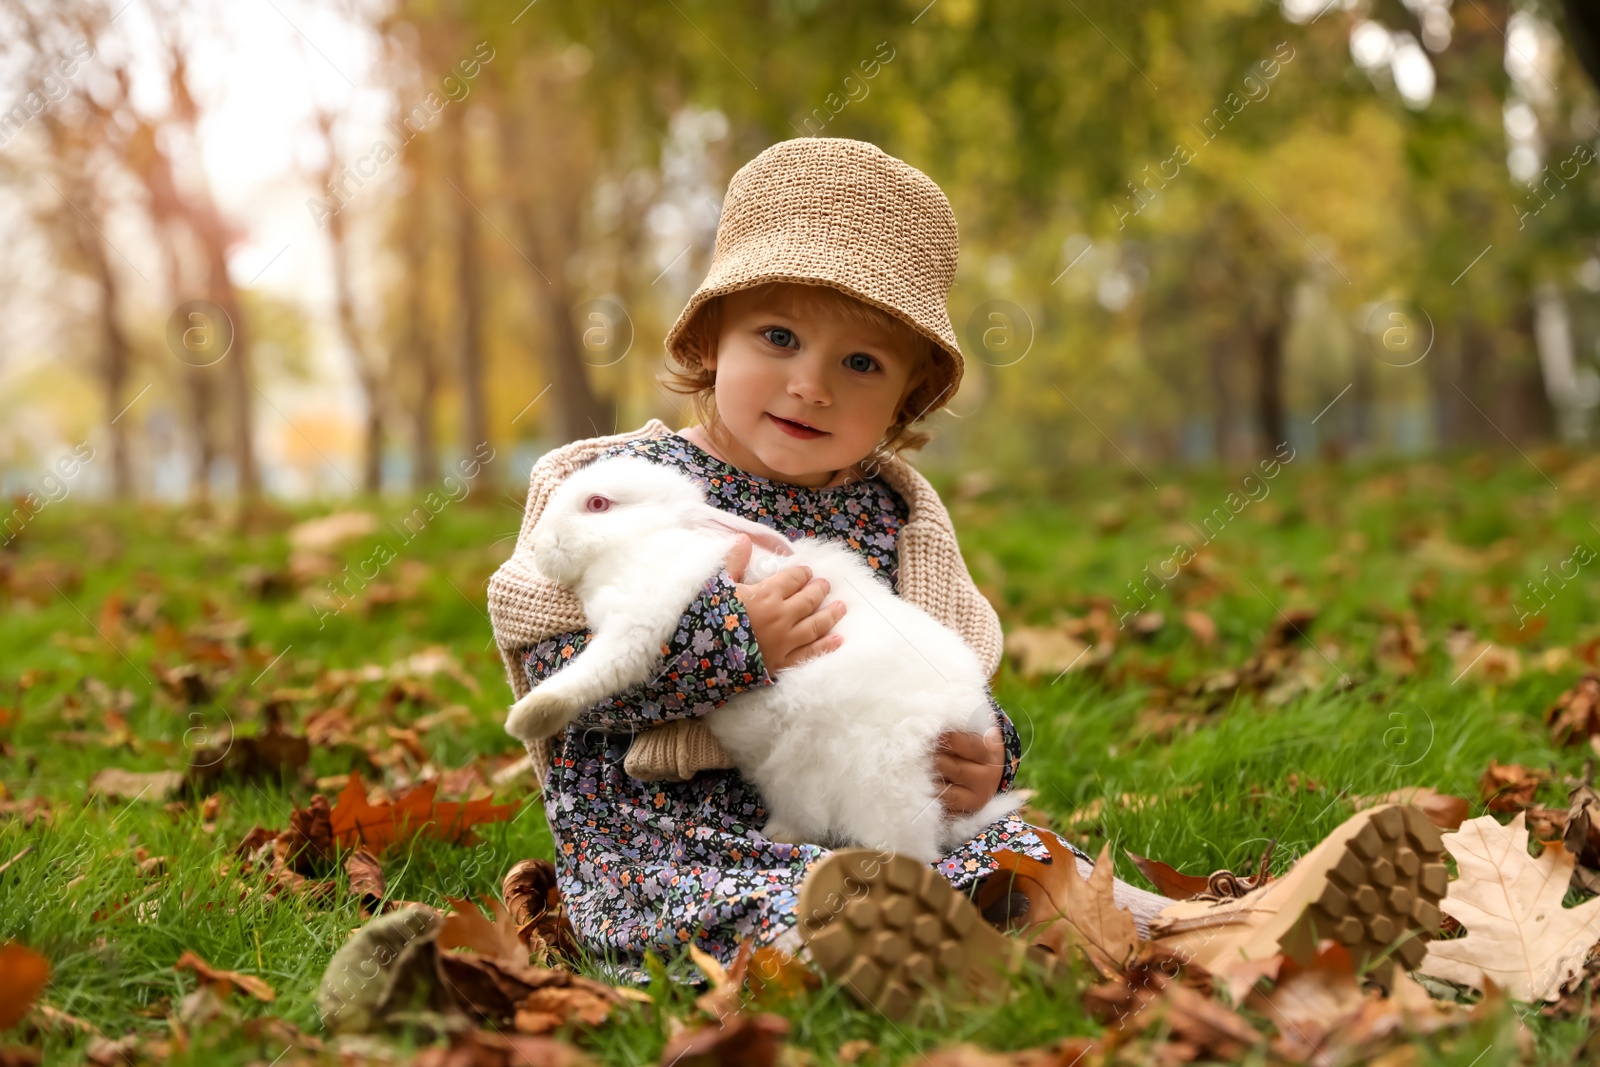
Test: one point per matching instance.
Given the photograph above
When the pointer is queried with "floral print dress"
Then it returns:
(655, 865)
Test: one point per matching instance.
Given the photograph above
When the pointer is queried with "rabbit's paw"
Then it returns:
(539, 714)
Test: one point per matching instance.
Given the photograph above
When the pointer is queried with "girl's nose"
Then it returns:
(808, 382)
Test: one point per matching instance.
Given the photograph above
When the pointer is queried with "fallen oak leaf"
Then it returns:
(210, 975)
(1442, 809)
(1575, 716)
(778, 975)
(1581, 835)
(489, 1048)
(1509, 787)
(272, 753)
(366, 877)
(23, 975)
(465, 927)
(116, 784)
(1218, 885)
(1201, 625)
(530, 893)
(1307, 1003)
(1168, 881)
(356, 821)
(1065, 908)
(1518, 934)
(741, 1040)
(722, 999)
(546, 1010)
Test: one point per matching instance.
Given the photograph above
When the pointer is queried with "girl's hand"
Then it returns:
(786, 611)
(968, 767)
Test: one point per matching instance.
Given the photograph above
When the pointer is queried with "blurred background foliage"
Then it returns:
(1191, 229)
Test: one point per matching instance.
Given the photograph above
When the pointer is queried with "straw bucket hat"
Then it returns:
(845, 214)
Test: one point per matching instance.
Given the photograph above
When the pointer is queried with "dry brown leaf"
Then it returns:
(527, 888)
(1518, 934)
(466, 927)
(1041, 650)
(1307, 1003)
(366, 877)
(740, 1040)
(1443, 810)
(1484, 660)
(490, 1048)
(356, 821)
(1202, 626)
(1508, 787)
(1575, 716)
(722, 999)
(1581, 836)
(1168, 881)
(308, 841)
(330, 531)
(1401, 645)
(776, 975)
(23, 975)
(1063, 907)
(546, 1010)
(225, 980)
(271, 754)
(116, 784)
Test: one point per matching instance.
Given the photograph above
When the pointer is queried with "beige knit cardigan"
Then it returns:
(525, 607)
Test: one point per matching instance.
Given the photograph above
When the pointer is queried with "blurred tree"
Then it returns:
(370, 366)
(75, 213)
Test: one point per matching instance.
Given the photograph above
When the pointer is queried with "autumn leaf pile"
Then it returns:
(218, 777)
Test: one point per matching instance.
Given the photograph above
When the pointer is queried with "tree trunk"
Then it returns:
(368, 372)
(1267, 344)
(469, 288)
(549, 225)
(417, 347)
(114, 354)
(1222, 412)
(202, 398)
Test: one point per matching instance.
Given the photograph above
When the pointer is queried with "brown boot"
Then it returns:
(1373, 885)
(886, 927)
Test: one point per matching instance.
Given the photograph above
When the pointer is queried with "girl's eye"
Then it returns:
(779, 336)
(866, 362)
(597, 503)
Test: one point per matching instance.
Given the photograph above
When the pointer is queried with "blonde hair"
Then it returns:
(700, 339)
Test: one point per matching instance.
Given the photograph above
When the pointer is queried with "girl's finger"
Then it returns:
(809, 598)
(790, 580)
(949, 768)
(816, 648)
(959, 800)
(816, 625)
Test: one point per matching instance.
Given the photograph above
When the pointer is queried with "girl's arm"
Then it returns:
(711, 656)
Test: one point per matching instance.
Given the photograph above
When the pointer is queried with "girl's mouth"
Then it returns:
(797, 429)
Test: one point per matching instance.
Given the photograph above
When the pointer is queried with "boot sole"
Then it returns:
(887, 928)
(1381, 893)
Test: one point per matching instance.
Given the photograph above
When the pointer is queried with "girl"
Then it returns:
(816, 343)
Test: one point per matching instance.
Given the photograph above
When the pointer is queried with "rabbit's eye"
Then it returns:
(597, 503)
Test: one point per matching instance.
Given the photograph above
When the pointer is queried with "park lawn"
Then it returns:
(1452, 542)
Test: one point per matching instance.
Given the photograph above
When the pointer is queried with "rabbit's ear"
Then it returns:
(761, 536)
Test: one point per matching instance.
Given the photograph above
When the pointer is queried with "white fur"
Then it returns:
(842, 746)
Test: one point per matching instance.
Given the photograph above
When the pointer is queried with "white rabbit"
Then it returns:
(842, 745)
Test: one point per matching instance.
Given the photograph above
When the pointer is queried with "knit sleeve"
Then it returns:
(711, 656)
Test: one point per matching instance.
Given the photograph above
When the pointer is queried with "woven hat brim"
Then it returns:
(948, 364)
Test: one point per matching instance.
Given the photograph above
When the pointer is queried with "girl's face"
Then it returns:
(800, 398)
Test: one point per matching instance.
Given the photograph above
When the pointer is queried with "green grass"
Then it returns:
(1355, 544)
